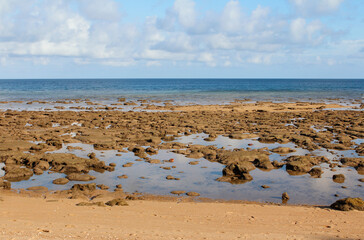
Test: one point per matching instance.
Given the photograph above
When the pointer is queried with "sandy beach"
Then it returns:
(38, 218)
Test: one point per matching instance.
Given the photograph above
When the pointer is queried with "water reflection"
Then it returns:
(151, 178)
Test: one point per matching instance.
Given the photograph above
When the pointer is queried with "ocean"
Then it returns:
(182, 90)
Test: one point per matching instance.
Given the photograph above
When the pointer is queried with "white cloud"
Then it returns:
(316, 7)
(93, 33)
(186, 13)
(100, 10)
(231, 17)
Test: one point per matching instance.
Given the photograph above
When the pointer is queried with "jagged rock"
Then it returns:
(264, 164)
(89, 187)
(315, 172)
(238, 168)
(18, 174)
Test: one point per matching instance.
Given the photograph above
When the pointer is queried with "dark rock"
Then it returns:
(263, 164)
(88, 204)
(151, 151)
(315, 172)
(338, 178)
(238, 168)
(117, 202)
(92, 155)
(54, 142)
(169, 177)
(89, 187)
(348, 204)
(285, 197)
(277, 164)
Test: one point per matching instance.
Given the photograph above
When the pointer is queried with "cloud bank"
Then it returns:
(96, 32)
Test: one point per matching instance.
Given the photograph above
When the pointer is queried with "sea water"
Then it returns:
(182, 90)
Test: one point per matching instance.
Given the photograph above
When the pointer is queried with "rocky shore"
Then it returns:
(29, 141)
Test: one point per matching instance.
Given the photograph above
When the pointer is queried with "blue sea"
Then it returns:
(182, 90)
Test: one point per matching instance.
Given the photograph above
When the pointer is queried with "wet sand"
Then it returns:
(30, 140)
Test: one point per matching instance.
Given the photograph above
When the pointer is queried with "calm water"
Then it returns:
(151, 178)
(182, 90)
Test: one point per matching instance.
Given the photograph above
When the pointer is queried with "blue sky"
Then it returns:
(181, 38)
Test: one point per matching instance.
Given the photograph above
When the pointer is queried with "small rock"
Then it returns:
(154, 161)
(117, 202)
(169, 177)
(92, 155)
(37, 171)
(123, 176)
(193, 194)
(84, 187)
(87, 204)
(102, 187)
(178, 192)
(60, 181)
(315, 172)
(129, 164)
(38, 189)
(194, 162)
(338, 178)
(80, 177)
(285, 197)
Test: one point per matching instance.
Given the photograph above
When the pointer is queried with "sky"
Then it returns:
(181, 39)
